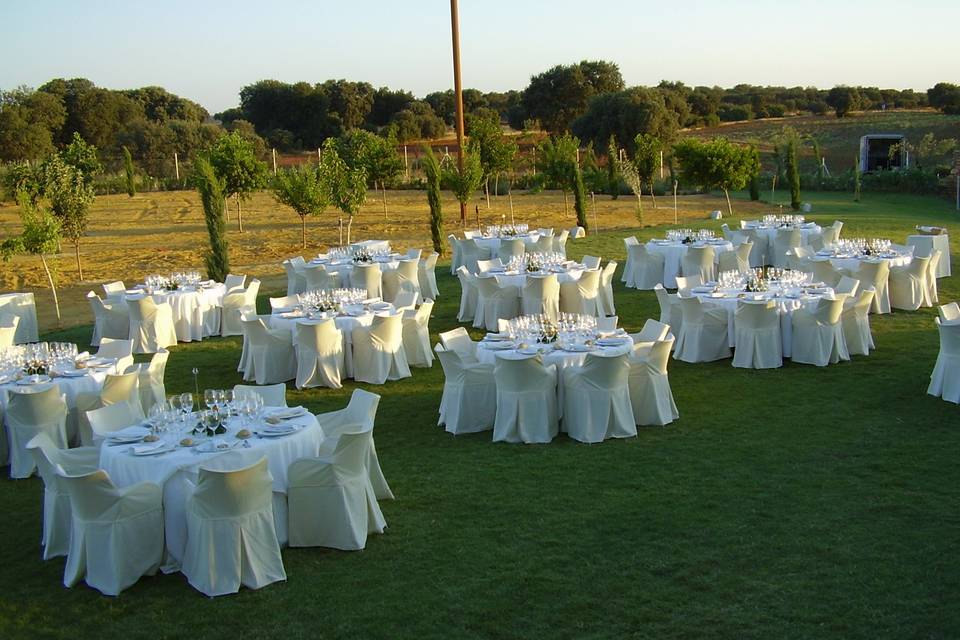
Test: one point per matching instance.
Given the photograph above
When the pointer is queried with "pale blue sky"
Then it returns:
(207, 51)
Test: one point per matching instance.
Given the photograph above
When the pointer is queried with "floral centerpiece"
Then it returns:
(362, 256)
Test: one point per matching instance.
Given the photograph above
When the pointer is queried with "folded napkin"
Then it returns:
(135, 431)
(285, 413)
(147, 447)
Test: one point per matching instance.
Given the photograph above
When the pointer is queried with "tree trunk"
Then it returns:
(349, 227)
(496, 185)
(53, 289)
(383, 188)
(486, 191)
(226, 209)
(340, 224)
(303, 231)
(76, 248)
(653, 196)
(729, 206)
(640, 207)
(240, 213)
(565, 211)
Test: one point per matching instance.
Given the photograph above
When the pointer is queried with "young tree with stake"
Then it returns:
(234, 159)
(303, 190)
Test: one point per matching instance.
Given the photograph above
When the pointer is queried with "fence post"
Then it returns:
(176, 165)
(274, 161)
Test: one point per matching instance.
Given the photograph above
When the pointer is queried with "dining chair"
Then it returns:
(949, 312)
(428, 276)
(590, 262)
(273, 395)
(468, 295)
(756, 326)
(296, 279)
(114, 290)
(231, 533)
(459, 340)
(367, 277)
(581, 295)
(31, 412)
(284, 303)
(116, 349)
(527, 408)
(416, 335)
(235, 304)
(110, 320)
(908, 284)
(699, 261)
(541, 295)
(151, 325)
(234, 282)
(605, 303)
(596, 403)
(378, 353)
(855, 321)
(404, 277)
(784, 240)
(110, 418)
(703, 332)
(644, 268)
(945, 379)
(495, 301)
(319, 354)
(317, 278)
(650, 393)
(116, 535)
(818, 335)
(270, 353)
(469, 400)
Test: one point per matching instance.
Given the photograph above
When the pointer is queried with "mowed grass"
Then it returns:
(794, 503)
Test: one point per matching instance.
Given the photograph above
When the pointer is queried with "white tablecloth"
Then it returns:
(344, 267)
(520, 279)
(177, 471)
(71, 388)
(345, 324)
(372, 245)
(926, 244)
(23, 306)
(786, 307)
(806, 230)
(493, 243)
(189, 306)
(853, 263)
(673, 253)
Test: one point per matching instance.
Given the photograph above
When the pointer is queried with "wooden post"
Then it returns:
(510, 198)
(274, 151)
(674, 202)
(661, 165)
(578, 155)
(534, 161)
(406, 166)
(319, 157)
(958, 192)
(593, 205)
(176, 164)
(458, 93)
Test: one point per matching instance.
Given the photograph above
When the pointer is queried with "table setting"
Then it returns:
(850, 252)
(515, 272)
(492, 236)
(675, 245)
(350, 308)
(565, 342)
(341, 260)
(178, 438)
(787, 288)
(189, 296)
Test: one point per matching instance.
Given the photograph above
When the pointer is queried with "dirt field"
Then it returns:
(130, 238)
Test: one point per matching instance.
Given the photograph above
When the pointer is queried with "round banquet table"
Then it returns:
(852, 263)
(519, 280)
(346, 324)
(925, 245)
(673, 253)
(344, 266)
(493, 242)
(807, 229)
(727, 299)
(71, 387)
(189, 306)
(372, 245)
(177, 472)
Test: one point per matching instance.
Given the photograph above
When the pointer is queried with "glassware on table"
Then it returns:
(210, 398)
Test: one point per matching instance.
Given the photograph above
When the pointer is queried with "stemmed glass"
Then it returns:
(210, 398)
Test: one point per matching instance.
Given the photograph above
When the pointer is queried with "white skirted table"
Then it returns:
(807, 229)
(175, 468)
(189, 306)
(728, 299)
(372, 245)
(925, 245)
(346, 323)
(22, 306)
(493, 242)
(517, 279)
(673, 252)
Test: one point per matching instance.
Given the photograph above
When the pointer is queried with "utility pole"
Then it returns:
(458, 94)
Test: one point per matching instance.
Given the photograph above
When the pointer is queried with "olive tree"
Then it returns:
(40, 236)
(463, 181)
(303, 190)
(347, 185)
(234, 159)
(70, 198)
(717, 164)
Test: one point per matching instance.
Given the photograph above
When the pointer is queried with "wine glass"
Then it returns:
(210, 398)
(229, 400)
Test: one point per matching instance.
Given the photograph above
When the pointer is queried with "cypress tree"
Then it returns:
(431, 167)
(613, 167)
(211, 195)
(793, 175)
(128, 171)
(579, 195)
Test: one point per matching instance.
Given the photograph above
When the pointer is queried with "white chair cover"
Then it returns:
(932, 295)
(235, 304)
(232, 282)
(455, 261)
(578, 232)
(368, 277)
(757, 334)
(908, 284)
(317, 277)
(759, 247)
(582, 295)
(855, 320)
(8, 331)
(468, 295)
(605, 302)
(113, 290)
(596, 403)
(686, 283)
(296, 279)
(405, 300)
(526, 401)
(274, 395)
(945, 379)
(847, 286)
(121, 350)
(469, 401)
(818, 335)
(824, 272)
(591, 262)
(541, 294)
(560, 242)
(652, 331)
(414, 254)
(703, 333)
(270, 353)
(285, 302)
(459, 340)
(109, 320)
(150, 380)
(151, 325)
(110, 418)
(319, 351)
(644, 269)
(405, 276)
(494, 302)
(124, 387)
(332, 502)
(786, 239)
(670, 312)
(629, 241)
(427, 274)
(416, 336)
(876, 275)
(650, 392)
(378, 353)
(699, 261)
(30, 413)
(116, 535)
(56, 500)
(949, 312)
(231, 535)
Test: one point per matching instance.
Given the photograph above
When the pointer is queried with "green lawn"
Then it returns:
(792, 503)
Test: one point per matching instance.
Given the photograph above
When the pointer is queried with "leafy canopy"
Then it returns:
(233, 158)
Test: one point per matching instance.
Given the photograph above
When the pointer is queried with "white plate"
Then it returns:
(151, 452)
(499, 346)
(74, 373)
(33, 380)
(272, 433)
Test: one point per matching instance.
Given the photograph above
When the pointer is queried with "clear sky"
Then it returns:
(207, 51)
